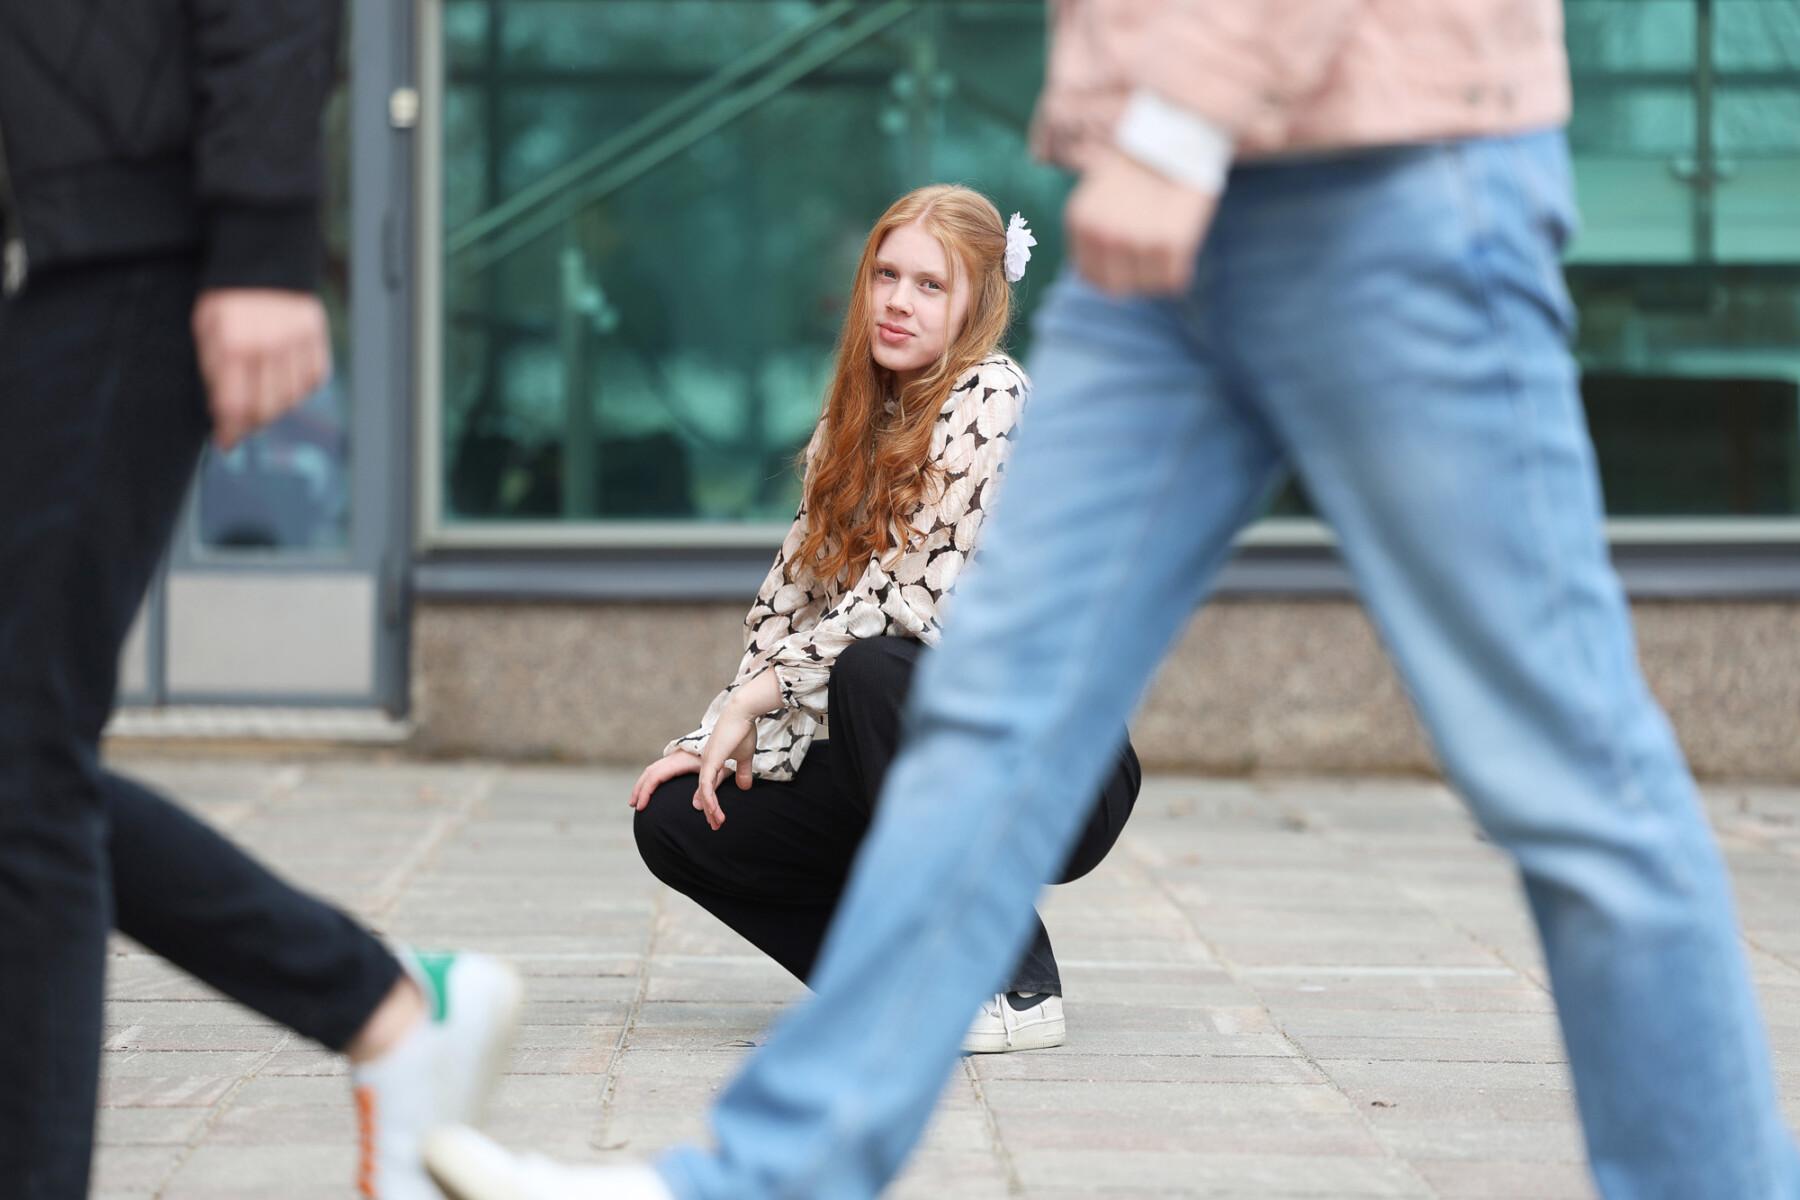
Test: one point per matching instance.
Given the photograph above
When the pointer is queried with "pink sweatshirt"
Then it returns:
(1269, 77)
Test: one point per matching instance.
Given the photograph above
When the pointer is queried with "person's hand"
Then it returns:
(262, 351)
(733, 738)
(1133, 230)
(681, 762)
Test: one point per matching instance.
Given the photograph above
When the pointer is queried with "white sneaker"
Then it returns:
(1011, 1021)
(469, 1166)
(440, 1073)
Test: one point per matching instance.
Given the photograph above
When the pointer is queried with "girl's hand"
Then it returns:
(734, 737)
(682, 762)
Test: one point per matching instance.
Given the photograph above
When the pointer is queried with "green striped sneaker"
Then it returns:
(441, 1073)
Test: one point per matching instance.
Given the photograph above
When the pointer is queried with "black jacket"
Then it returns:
(137, 127)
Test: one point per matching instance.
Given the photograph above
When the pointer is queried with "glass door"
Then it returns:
(285, 582)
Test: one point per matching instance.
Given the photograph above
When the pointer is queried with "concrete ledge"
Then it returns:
(203, 723)
(1255, 685)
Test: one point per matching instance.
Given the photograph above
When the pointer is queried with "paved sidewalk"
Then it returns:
(1276, 988)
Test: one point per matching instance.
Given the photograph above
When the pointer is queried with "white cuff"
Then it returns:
(1176, 141)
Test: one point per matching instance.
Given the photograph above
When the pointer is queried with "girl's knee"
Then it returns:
(655, 828)
(649, 840)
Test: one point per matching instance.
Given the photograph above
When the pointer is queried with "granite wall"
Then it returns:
(1255, 685)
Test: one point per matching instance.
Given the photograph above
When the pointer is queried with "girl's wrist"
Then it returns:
(738, 706)
(756, 697)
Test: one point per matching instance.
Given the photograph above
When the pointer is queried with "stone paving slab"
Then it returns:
(1276, 988)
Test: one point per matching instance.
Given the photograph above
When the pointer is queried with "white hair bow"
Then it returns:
(1018, 248)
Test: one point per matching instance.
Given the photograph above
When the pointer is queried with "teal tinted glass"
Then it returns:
(1687, 271)
(652, 209)
(649, 334)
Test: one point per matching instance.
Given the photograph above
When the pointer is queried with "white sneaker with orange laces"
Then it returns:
(440, 1073)
(469, 1166)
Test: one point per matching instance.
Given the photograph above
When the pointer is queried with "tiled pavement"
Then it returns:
(1276, 988)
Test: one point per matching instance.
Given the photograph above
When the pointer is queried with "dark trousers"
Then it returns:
(102, 416)
(775, 870)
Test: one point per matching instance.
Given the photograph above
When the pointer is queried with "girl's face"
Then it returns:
(916, 306)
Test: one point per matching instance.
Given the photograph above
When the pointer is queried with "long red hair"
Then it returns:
(870, 470)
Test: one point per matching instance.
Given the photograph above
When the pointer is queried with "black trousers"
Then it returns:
(102, 416)
(775, 870)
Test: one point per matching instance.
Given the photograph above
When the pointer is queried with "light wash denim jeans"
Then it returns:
(1392, 326)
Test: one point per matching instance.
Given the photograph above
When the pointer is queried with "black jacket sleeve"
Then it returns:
(263, 69)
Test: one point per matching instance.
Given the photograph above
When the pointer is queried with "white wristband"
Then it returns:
(1176, 141)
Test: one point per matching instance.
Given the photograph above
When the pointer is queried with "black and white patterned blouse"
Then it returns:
(798, 629)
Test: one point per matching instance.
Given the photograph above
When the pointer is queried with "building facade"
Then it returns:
(587, 262)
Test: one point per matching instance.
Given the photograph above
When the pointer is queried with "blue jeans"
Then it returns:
(1393, 327)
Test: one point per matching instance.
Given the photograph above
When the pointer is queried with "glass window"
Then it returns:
(1686, 140)
(651, 209)
(652, 339)
(287, 488)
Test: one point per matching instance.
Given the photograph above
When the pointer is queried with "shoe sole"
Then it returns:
(460, 1177)
(1041, 1036)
